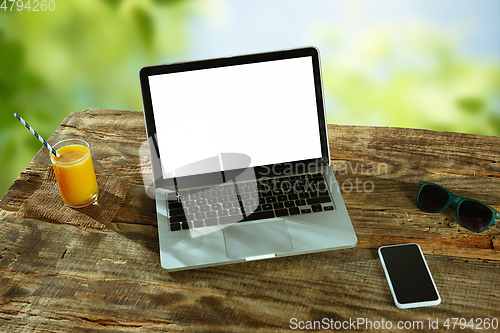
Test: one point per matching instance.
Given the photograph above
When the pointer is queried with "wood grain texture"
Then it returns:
(60, 278)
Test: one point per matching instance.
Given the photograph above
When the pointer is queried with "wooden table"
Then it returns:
(61, 278)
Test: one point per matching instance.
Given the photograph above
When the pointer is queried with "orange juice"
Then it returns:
(75, 173)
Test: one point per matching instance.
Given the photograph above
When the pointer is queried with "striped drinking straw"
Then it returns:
(36, 134)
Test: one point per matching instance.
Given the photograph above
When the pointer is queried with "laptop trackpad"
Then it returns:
(257, 239)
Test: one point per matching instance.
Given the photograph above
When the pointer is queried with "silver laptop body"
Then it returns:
(240, 158)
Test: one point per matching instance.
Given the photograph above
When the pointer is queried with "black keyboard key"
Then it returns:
(200, 202)
(281, 212)
(230, 219)
(293, 196)
(319, 200)
(282, 198)
(317, 208)
(289, 204)
(259, 216)
(250, 210)
(271, 199)
(300, 202)
(174, 205)
(286, 187)
(235, 211)
(309, 188)
(211, 222)
(267, 206)
(250, 189)
(306, 211)
(178, 218)
(322, 186)
(172, 197)
(328, 208)
(193, 210)
(223, 199)
(189, 203)
(299, 182)
(175, 212)
(248, 203)
(227, 219)
(278, 205)
(294, 211)
(175, 226)
(211, 215)
(316, 194)
(263, 188)
(205, 194)
(186, 225)
(204, 208)
(304, 195)
(227, 192)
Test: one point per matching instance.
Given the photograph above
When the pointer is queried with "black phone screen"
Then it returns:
(409, 274)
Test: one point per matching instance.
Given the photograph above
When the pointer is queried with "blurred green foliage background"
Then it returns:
(384, 62)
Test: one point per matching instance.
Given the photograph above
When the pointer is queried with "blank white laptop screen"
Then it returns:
(266, 110)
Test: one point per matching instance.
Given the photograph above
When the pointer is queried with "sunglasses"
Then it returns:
(471, 214)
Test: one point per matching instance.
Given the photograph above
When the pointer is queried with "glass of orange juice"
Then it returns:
(75, 173)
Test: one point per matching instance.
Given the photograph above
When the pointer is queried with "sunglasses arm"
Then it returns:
(496, 217)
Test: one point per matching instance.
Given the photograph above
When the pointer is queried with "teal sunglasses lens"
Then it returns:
(432, 198)
(474, 215)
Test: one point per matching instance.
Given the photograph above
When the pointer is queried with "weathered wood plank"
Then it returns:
(418, 150)
(254, 293)
(60, 278)
(90, 276)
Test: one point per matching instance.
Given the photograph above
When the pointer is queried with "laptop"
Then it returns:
(240, 160)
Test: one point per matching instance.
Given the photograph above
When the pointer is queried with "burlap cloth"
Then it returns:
(46, 203)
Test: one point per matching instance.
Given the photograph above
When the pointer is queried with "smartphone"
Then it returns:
(408, 275)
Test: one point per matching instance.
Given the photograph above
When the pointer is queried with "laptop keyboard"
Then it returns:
(241, 202)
